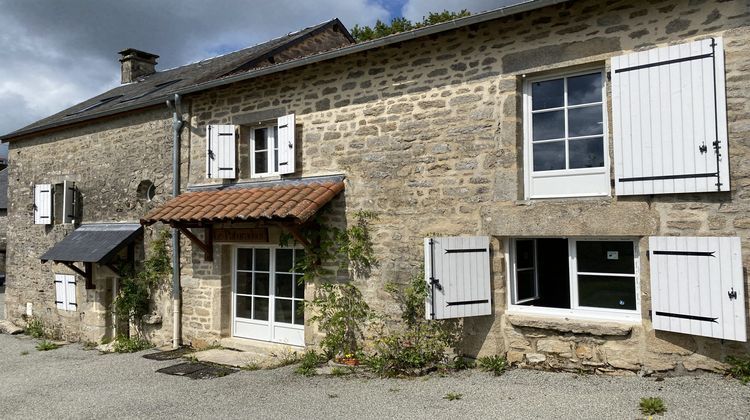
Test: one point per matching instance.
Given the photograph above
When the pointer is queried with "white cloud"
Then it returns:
(416, 9)
(58, 53)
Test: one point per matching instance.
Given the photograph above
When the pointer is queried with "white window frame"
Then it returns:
(576, 311)
(271, 159)
(582, 175)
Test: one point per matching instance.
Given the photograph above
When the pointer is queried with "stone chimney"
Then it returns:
(135, 64)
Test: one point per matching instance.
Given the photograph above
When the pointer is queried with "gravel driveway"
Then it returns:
(74, 383)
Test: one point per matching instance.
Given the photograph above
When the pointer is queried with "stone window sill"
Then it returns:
(572, 325)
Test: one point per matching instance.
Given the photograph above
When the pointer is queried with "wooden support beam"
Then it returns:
(87, 273)
(206, 247)
(295, 232)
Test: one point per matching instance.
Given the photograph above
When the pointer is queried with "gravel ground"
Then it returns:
(75, 383)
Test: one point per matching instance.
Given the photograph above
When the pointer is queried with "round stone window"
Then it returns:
(146, 190)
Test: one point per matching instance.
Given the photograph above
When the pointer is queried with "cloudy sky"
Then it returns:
(54, 53)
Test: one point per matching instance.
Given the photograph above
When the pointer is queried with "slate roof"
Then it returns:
(296, 200)
(158, 87)
(96, 242)
(4, 189)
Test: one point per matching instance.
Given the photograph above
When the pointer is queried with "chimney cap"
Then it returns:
(138, 53)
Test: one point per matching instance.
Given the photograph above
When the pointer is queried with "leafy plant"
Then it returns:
(453, 396)
(740, 368)
(342, 314)
(124, 344)
(401, 24)
(35, 328)
(462, 363)
(310, 362)
(495, 364)
(45, 345)
(133, 299)
(285, 358)
(652, 405)
(337, 371)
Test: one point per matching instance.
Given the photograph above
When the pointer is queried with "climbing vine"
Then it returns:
(136, 287)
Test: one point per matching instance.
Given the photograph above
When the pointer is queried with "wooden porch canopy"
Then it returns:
(286, 203)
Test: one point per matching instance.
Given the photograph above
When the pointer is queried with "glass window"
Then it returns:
(265, 150)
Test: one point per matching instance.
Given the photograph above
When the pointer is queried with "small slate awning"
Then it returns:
(92, 243)
(286, 203)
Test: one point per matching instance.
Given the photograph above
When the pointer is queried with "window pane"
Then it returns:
(283, 311)
(261, 309)
(261, 284)
(284, 260)
(299, 287)
(244, 259)
(244, 283)
(547, 94)
(605, 257)
(586, 121)
(276, 137)
(276, 160)
(548, 125)
(261, 162)
(585, 89)
(524, 253)
(299, 313)
(262, 259)
(586, 153)
(549, 156)
(284, 285)
(606, 292)
(261, 138)
(242, 308)
(525, 280)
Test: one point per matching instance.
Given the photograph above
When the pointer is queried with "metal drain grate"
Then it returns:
(197, 370)
(170, 354)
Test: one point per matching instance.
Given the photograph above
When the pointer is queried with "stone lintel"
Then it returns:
(568, 325)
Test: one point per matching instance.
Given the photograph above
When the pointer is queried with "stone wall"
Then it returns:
(428, 133)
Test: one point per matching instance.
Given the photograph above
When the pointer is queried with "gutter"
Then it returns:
(311, 59)
(177, 125)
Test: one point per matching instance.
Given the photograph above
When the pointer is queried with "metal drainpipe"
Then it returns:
(177, 124)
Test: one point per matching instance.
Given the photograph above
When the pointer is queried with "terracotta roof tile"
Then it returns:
(298, 200)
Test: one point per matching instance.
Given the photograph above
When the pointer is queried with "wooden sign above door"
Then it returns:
(246, 235)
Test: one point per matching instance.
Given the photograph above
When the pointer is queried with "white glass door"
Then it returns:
(268, 295)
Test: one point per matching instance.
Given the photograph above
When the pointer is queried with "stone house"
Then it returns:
(571, 173)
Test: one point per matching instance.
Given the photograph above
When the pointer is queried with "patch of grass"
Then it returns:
(130, 345)
(337, 371)
(452, 396)
(35, 328)
(286, 358)
(45, 345)
(252, 366)
(462, 363)
(495, 364)
(739, 367)
(652, 405)
(24, 353)
(310, 362)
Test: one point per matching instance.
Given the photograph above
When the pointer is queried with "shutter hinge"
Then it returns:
(703, 148)
(732, 294)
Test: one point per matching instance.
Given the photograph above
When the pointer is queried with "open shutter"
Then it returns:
(286, 144)
(60, 291)
(457, 271)
(669, 120)
(69, 202)
(70, 293)
(43, 204)
(221, 151)
(697, 286)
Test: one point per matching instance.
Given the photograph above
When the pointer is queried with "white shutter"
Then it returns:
(221, 151)
(286, 144)
(43, 204)
(668, 109)
(459, 267)
(69, 202)
(60, 290)
(70, 293)
(697, 286)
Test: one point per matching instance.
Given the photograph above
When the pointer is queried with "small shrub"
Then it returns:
(130, 345)
(310, 362)
(35, 328)
(462, 363)
(452, 396)
(740, 368)
(252, 366)
(342, 314)
(45, 345)
(286, 358)
(652, 405)
(495, 364)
